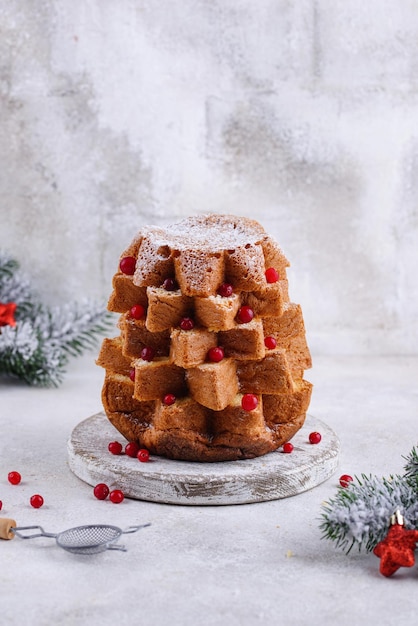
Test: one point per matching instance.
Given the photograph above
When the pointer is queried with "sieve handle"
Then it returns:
(133, 529)
(42, 533)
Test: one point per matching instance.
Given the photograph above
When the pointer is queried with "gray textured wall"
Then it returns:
(303, 115)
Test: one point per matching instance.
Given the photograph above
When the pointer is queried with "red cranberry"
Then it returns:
(272, 275)
(288, 447)
(169, 399)
(143, 455)
(132, 374)
(270, 342)
(137, 311)
(170, 284)
(226, 290)
(127, 265)
(245, 314)
(116, 496)
(249, 402)
(131, 449)
(147, 353)
(101, 491)
(215, 355)
(115, 447)
(36, 501)
(315, 437)
(1, 505)
(345, 480)
(186, 323)
(14, 478)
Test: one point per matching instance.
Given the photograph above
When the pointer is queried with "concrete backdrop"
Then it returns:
(303, 115)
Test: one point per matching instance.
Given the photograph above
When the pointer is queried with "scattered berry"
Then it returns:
(116, 496)
(127, 265)
(288, 447)
(132, 374)
(249, 402)
(143, 455)
(147, 353)
(245, 314)
(315, 437)
(216, 354)
(14, 478)
(101, 491)
(137, 311)
(169, 399)
(170, 284)
(36, 501)
(272, 275)
(270, 342)
(226, 290)
(131, 449)
(1, 505)
(345, 480)
(186, 323)
(115, 447)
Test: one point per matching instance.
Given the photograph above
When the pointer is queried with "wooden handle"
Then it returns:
(5, 528)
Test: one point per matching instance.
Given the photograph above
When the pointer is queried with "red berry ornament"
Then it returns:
(169, 399)
(216, 354)
(101, 491)
(315, 437)
(137, 311)
(131, 449)
(287, 447)
(170, 284)
(345, 480)
(115, 447)
(116, 496)
(270, 342)
(186, 323)
(127, 265)
(147, 353)
(272, 275)
(249, 402)
(14, 478)
(226, 290)
(245, 314)
(143, 455)
(36, 501)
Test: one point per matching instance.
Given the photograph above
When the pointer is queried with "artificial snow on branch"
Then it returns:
(36, 341)
(360, 512)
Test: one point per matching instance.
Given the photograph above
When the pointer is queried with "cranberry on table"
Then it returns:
(272, 275)
(245, 314)
(14, 478)
(115, 447)
(36, 501)
(287, 447)
(101, 491)
(137, 311)
(169, 399)
(315, 437)
(143, 455)
(215, 355)
(270, 342)
(127, 265)
(249, 402)
(345, 480)
(131, 449)
(226, 290)
(116, 496)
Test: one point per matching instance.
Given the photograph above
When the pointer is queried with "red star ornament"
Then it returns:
(397, 549)
(7, 312)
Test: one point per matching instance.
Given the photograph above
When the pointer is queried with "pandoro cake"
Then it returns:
(209, 363)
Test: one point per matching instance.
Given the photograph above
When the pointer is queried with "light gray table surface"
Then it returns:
(262, 563)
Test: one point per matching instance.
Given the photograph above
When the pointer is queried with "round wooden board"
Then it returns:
(269, 477)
